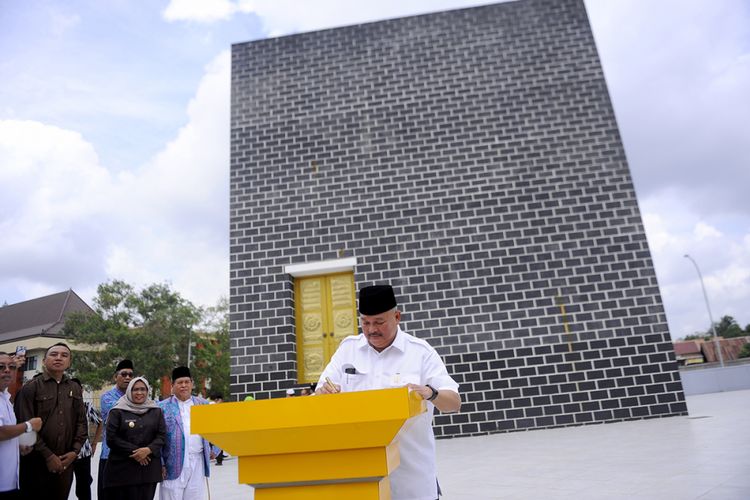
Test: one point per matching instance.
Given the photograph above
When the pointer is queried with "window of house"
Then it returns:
(30, 363)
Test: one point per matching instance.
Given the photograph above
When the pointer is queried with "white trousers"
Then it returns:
(191, 485)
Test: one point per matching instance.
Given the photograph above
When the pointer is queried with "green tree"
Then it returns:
(745, 352)
(211, 353)
(697, 336)
(151, 326)
(728, 328)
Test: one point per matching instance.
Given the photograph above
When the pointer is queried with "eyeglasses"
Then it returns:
(126, 374)
(4, 367)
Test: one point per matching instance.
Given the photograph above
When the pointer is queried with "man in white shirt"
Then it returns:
(384, 356)
(185, 456)
(10, 430)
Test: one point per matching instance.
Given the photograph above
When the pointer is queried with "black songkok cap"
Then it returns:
(125, 363)
(179, 372)
(376, 299)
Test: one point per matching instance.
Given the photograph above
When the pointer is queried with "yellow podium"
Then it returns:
(335, 446)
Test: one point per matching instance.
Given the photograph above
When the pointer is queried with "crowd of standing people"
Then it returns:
(146, 443)
(49, 434)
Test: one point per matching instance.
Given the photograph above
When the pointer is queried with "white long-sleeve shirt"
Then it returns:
(407, 360)
(8, 448)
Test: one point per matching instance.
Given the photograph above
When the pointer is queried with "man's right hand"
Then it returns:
(328, 388)
(19, 360)
(36, 423)
(54, 464)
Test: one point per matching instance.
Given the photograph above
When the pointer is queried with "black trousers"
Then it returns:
(10, 495)
(132, 492)
(82, 471)
(101, 493)
(39, 483)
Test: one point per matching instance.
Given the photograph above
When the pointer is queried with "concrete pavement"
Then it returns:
(705, 456)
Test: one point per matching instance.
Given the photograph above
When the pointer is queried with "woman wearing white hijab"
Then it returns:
(135, 436)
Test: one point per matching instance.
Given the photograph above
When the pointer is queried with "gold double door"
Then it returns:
(325, 314)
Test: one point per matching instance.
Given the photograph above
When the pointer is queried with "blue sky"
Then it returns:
(114, 137)
(117, 72)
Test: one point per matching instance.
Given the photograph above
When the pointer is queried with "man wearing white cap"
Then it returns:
(385, 356)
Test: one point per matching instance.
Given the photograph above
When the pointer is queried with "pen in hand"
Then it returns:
(331, 387)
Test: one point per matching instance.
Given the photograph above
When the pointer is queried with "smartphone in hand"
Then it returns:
(21, 350)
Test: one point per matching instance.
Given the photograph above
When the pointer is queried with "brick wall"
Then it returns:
(472, 159)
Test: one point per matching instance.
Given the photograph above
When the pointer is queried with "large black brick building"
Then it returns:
(472, 159)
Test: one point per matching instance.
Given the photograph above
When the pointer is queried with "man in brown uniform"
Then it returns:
(47, 472)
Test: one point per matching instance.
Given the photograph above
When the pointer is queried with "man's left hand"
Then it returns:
(447, 401)
(67, 459)
(422, 390)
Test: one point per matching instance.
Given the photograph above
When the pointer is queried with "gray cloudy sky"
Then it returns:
(114, 137)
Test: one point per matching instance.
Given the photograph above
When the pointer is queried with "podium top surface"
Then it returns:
(348, 420)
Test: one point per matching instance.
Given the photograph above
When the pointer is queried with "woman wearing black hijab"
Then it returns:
(135, 436)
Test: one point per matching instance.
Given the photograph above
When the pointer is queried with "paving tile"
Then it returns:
(627, 460)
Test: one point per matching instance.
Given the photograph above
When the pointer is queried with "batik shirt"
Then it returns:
(93, 419)
(109, 399)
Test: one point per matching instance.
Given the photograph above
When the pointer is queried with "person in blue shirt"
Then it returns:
(123, 375)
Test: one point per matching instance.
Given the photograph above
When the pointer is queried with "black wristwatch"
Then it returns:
(434, 393)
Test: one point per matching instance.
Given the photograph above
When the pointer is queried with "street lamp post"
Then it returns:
(190, 344)
(708, 307)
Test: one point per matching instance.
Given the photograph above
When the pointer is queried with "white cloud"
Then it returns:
(61, 23)
(67, 222)
(204, 11)
(703, 231)
(52, 190)
(194, 166)
(283, 17)
(678, 72)
(721, 250)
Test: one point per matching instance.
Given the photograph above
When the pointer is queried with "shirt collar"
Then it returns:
(188, 401)
(46, 376)
(398, 343)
